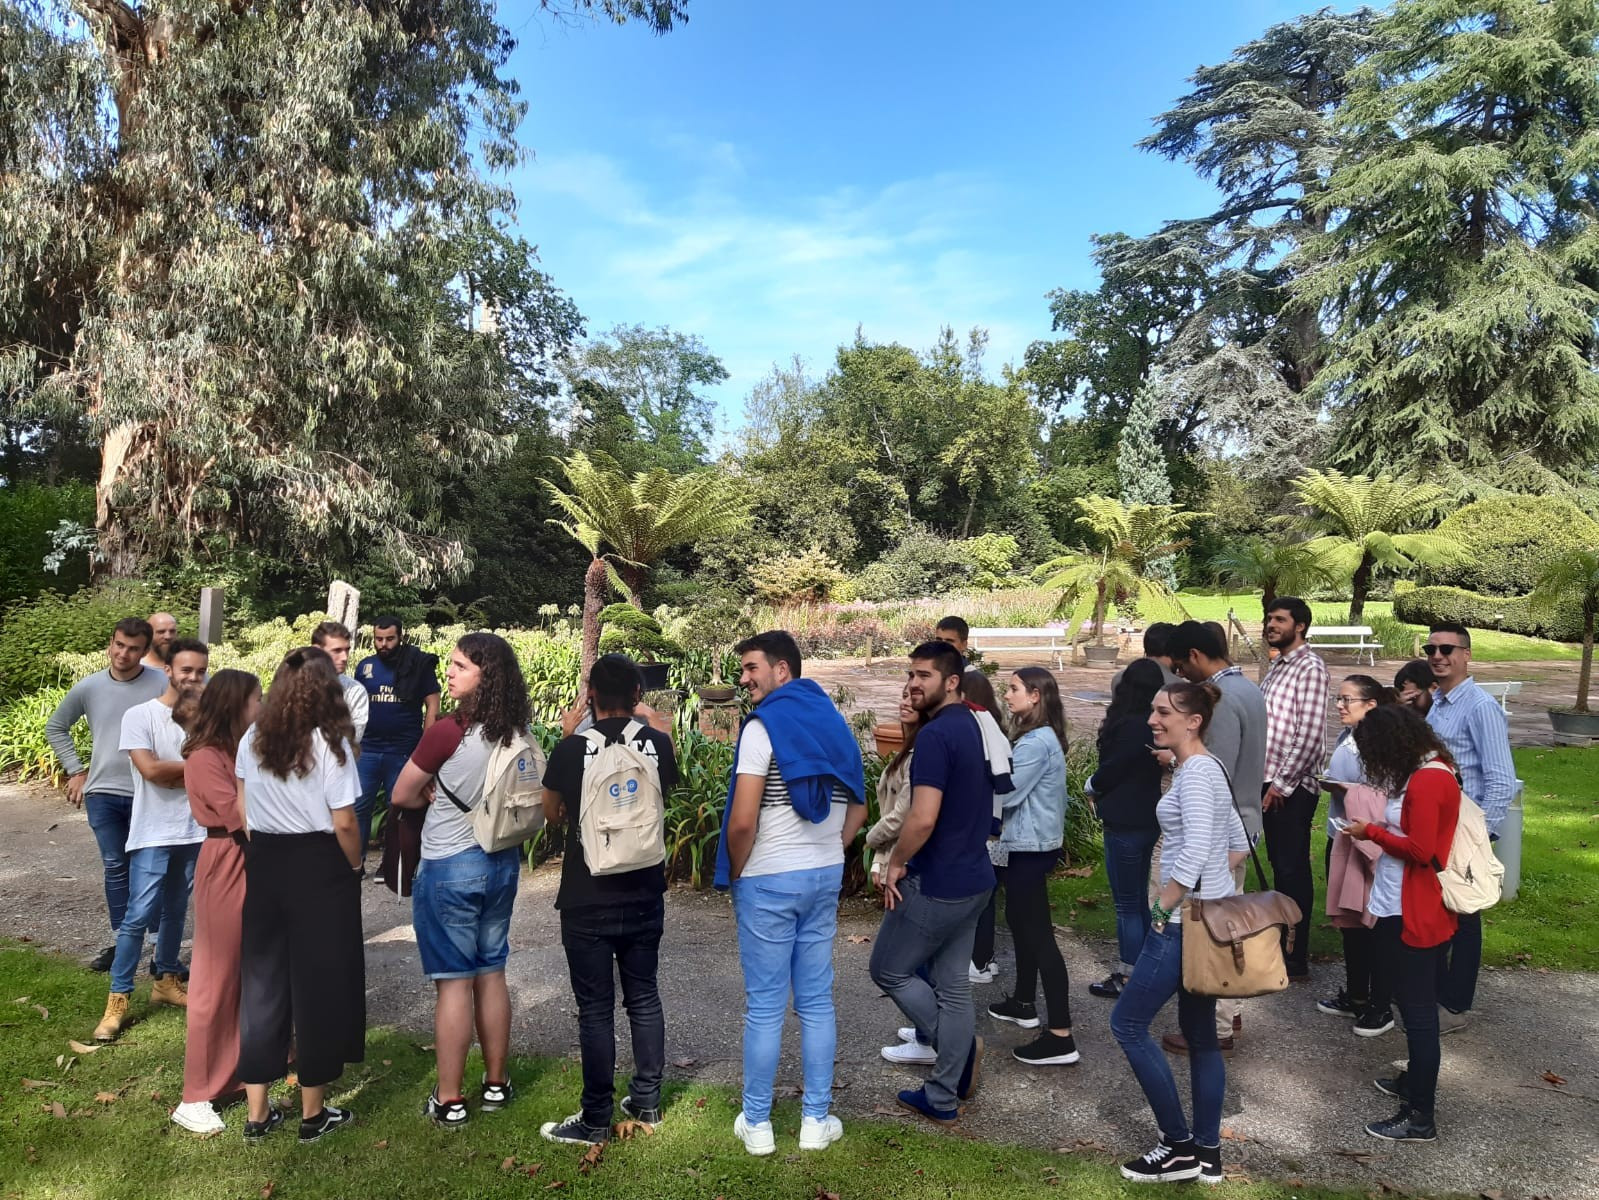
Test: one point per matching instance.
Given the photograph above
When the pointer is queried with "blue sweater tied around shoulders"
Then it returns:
(815, 751)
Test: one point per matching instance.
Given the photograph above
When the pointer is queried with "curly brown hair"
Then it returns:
(215, 717)
(305, 697)
(500, 702)
(1393, 742)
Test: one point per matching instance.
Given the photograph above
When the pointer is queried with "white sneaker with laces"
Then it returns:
(906, 1033)
(757, 1138)
(910, 1054)
(198, 1116)
(982, 974)
(819, 1134)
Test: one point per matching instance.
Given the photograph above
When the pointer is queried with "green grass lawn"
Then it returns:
(1554, 920)
(96, 1127)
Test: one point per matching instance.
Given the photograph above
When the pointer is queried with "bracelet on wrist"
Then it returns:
(1158, 915)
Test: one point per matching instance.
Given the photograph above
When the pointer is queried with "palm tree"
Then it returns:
(629, 524)
(1363, 524)
(1131, 540)
(1573, 579)
(1274, 568)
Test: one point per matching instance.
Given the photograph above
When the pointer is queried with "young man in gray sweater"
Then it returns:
(104, 789)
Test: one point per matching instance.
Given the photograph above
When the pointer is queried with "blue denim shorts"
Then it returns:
(461, 909)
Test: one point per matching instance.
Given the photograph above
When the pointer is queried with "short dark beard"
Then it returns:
(387, 655)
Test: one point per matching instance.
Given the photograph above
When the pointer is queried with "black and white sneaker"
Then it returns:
(574, 1131)
(446, 1114)
(496, 1095)
(1404, 1126)
(1397, 1087)
(1341, 1006)
(1048, 1050)
(1373, 1023)
(102, 961)
(1015, 1011)
(326, 1121)
(1209, 1164)
(254, 1131)
(1164, 1164)
(643, 1114)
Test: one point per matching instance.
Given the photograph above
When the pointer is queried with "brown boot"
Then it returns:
(169, 989)
(116, 1017)
(1176, 1043)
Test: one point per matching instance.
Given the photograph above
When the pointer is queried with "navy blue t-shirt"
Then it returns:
(391, 725)
(953, 863)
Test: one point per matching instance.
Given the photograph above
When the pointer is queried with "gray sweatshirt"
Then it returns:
(104, 701)
(1237, 739)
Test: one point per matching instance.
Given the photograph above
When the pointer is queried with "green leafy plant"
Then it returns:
(1572, 582)
(33, 633)
(1512, 614)
(23, 747)
(1512, 540)
(626, 630)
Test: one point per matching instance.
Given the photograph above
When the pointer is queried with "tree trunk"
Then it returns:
(1099, 614)
(1268, 593)
(633, 584)
(1359, 586)
(1585, 675)
(594, 580)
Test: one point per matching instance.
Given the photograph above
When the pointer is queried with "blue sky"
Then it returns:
(772, 175)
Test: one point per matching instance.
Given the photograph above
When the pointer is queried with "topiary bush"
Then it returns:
(1512, 614)
(922, 564)
(34, 633)
(1514, 538)
(627, 630)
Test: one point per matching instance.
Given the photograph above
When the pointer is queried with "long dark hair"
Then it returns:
(1393, 742)
(1135, 691)
(500, 701)
(904, 751)
(1049, 712)
(216, 716)
(976, 689)
(305, 696)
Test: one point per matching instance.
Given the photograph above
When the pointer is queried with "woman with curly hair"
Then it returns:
(214, 722)
(462, 897)
(303, 973)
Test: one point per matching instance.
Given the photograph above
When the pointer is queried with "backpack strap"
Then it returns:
(451, 796)
(631, 731)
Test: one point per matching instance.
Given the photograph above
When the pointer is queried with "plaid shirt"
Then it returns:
(1296, 690)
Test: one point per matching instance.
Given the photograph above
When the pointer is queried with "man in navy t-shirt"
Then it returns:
(937, 883)
(402, 688)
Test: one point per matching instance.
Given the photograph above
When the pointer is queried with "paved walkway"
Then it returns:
(1298, 1088)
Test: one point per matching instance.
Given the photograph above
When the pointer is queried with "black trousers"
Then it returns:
(983, 940)
(302, 966)
(1415, 980)
(1288, 847)
(628, 935)
(1037, 953)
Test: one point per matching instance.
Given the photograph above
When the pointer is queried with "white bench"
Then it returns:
(1354, 638)
(1502, 692)
(1053, 641)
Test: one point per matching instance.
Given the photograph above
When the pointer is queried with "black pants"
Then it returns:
(1384, 946)
(1037, 954)
(983, 942)
(302, 967)
(1415, 976)
(1459, 961)
(1288, 847)
(628, 935)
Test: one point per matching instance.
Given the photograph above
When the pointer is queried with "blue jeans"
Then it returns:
(461, 910)
(1156, 976)
(109, 815)
(1127, 856)
(159, 881)
(786, 924)
(378, 769)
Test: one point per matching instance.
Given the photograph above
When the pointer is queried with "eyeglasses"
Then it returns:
(1346, 701)
(1442, 648)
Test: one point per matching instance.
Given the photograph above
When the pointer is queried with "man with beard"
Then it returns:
(334, 638)
(937, 883)
(163, 632)
(402, 689)
(1413, 684)
(1296, 690)
(163, 841)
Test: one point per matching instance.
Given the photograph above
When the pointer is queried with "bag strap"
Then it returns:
(1260, 875)
(449, 795)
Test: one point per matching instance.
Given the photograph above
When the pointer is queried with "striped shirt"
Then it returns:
(1296, 690)
(1472, 725)
(1198, 826)
(784, 840)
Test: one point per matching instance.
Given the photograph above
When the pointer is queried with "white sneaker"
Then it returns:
(198, 1116)
(906, 1033)
(911, 1054)
(982, 974)
(757, 1139)
(819, 1134)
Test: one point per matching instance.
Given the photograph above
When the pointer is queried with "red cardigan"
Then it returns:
(1428, 818)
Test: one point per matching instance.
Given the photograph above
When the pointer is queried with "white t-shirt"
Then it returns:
(355, 695)
(784, 840)
(161, 815)
(1388, 876)
(296, 804)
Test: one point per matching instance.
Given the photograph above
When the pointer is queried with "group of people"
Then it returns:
(262, 807)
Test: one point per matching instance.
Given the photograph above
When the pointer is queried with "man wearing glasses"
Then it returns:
(1472, 724)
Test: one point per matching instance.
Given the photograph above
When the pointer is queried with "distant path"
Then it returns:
(1298, 1088)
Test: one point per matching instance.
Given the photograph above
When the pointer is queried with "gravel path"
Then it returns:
(1298, 1087)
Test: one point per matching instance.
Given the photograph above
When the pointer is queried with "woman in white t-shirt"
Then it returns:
(301, 960)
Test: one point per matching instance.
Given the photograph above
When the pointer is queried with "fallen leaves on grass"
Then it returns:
(381, 1145)
(1078, 872)
(700, 1103)
(591, 1158)
(267, 1189)
(823, 1194)
(82, 1047)
(42, 1011)
(107, 1097)
(508, 1162)
(624, 1130)
(684, 1064)
(1232, 1135)
(57, 1110)
(553, 1184)
(30, 1085)
(1551, 1077)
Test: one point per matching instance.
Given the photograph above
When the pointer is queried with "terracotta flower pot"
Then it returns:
(890, 738)
(717, 693)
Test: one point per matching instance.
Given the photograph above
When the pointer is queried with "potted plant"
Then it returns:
(1572, 581)
(709, 629)
(626, 630)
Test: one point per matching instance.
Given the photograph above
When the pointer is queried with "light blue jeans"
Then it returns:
(160, 879)
(786, 925)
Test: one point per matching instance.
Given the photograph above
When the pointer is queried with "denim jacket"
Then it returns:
(1035, 813)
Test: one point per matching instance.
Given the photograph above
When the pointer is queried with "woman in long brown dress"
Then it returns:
(214, 725)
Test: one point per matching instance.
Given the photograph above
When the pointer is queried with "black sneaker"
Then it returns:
(1404, 1126)
(575, 1131)
(1110, 987)
(446, 1114)
(1374, 1023)
(643, 1114)
(967, 1087)
(254, 1131)
(1209, 1164)
(1048, 1050)
(1015, 1011)
(329, 1119)
(496, 1096)
(1398, 1087)
(103, 960)
(1164, 1164)
(1341, 1006)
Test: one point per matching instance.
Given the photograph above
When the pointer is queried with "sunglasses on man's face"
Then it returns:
(1444, 649)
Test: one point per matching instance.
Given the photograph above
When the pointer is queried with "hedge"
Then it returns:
(1512, 614)
(1513, 539)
